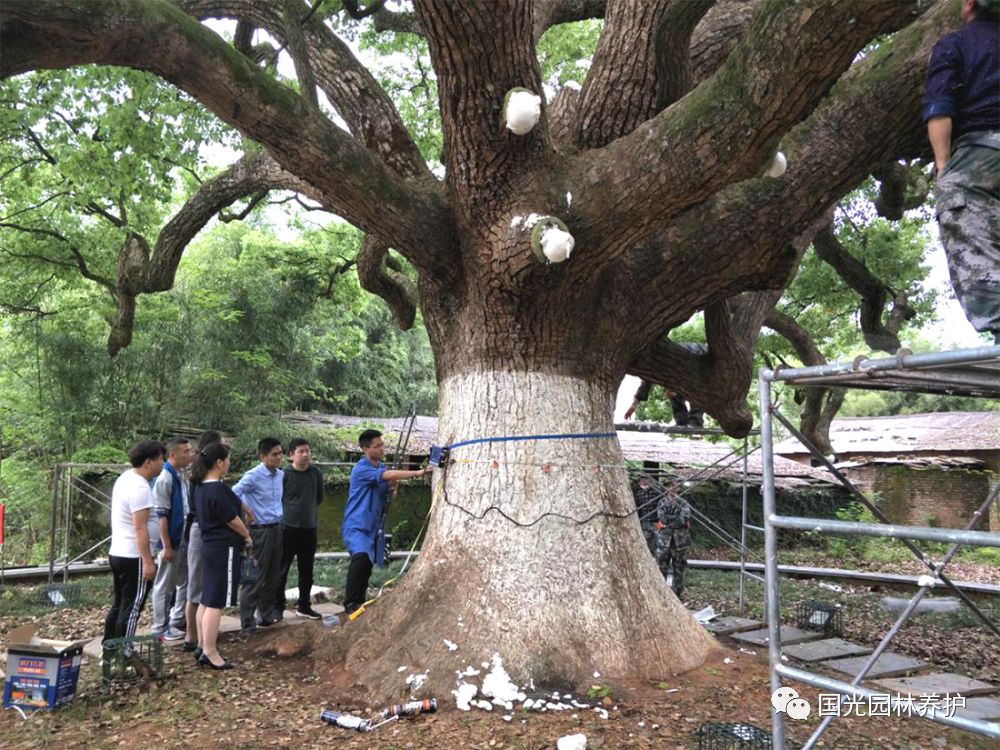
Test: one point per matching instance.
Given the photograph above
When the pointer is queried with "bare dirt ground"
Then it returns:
(274, 701)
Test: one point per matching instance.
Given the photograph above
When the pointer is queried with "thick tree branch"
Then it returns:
(727, 128)
(299, 49)
(718, 33)
(350, 87)
(902, 187)
(673, 50)
(392, 286)
(716, 377)
(819, 405)
(547, 13)
(154, 35)
(874, 293)
(562, 120)
(872, 115)
(620, 91)
(481, 50)
(142, 271)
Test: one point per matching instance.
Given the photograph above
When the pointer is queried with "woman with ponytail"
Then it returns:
(223, 535)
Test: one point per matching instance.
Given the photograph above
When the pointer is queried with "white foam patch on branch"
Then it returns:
(556, 244)
(523, 112)
(778, 165)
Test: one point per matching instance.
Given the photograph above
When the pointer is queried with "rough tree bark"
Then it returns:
(534, 551)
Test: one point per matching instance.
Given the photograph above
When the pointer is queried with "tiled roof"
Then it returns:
(939, 432)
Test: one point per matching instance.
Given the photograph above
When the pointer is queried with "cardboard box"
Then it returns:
(41, 673)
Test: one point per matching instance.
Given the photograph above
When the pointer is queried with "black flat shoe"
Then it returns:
(204, 661)
(197, 654)
(189, 647)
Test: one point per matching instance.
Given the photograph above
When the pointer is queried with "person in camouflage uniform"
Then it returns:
(673, 538)
(645, 504)
(962, 113)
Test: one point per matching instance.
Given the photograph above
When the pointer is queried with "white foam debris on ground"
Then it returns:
(416, 681)
(402, 669)
(727, 660)
(602, 712)
(596, 675)
(451, 646)
(464, 694)
(498, 685)
(831, 586)
(671, 690)
(469, 671)
(569, 199)
(506, 717)
(572, 742)
(748, 651)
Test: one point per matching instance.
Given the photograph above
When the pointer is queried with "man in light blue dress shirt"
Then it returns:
(260, 489)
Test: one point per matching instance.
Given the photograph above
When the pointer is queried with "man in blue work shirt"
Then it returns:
(368, 493)
(260, 489)
(962, 112)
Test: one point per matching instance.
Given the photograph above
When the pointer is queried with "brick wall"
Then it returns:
(927, 497)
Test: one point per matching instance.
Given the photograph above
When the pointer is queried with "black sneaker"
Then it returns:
(309, 612)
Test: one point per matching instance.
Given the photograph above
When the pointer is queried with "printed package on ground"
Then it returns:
(41, 673)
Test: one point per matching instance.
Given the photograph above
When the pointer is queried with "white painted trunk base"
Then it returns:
(558, 596)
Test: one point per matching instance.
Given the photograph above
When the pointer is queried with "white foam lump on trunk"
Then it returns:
(522, 112)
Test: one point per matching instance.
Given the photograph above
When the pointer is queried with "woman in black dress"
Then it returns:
(223, 535)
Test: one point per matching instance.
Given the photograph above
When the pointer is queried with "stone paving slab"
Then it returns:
(828, 648)
(938, 683)
(987, 709)
(887, 665)
(729, 625)
(788, 636)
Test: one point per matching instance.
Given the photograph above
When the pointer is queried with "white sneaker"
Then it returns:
(171, 634)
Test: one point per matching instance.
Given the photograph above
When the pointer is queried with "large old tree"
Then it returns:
(656, 167)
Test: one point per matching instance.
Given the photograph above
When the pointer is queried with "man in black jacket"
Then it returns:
(303, 492)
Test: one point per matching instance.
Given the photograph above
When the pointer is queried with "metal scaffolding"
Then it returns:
(69, 487)
(708, 473)
(966, 372)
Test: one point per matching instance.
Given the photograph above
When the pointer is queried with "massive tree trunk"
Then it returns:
(533, 550)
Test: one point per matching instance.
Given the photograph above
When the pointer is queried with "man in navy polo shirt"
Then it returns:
(260, 489)
(368, 492)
